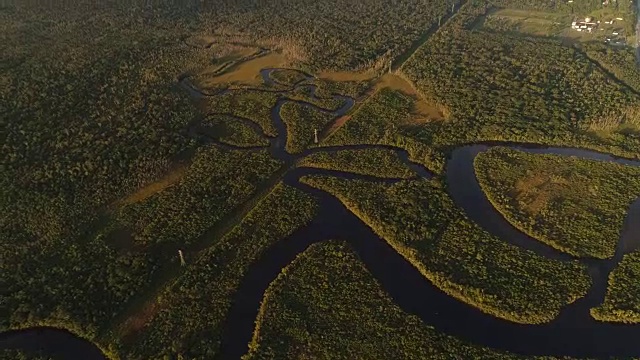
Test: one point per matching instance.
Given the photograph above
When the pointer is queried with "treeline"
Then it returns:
(191, 311)
(92, 113)
(327, 302)
(233, 131)
(577, 206)
(302, 121)
(373, 162)
(621, 61)
(622, 302)
(384, 120)
(8, 354)
(497, 91)
(421, 222)
(336, 34)
(83, 282)
(253, 105)
(216, 182)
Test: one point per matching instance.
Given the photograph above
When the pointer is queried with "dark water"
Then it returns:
(573, 333)
(56, 343)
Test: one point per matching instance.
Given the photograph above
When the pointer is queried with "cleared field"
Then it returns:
(577, 206)
(246, 72)
(525, 22)
(617, 17)
(495, 92)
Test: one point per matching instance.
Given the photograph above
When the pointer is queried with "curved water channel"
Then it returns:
(572, 333)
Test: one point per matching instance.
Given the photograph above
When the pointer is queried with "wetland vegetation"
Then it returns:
(150, 128)
(577, 206)
(374, 162)
(621, 303)
(187, 318)
(310, 309)
(420, 221)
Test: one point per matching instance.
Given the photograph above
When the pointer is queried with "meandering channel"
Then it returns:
(573, 333)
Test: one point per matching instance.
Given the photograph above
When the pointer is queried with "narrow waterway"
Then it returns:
(573, 333)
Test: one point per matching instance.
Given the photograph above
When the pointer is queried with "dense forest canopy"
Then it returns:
(134, 131)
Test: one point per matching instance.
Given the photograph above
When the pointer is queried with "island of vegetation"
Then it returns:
(621, 303)
(420, 221)
(155, 153)
(577, 206)
(310, 309)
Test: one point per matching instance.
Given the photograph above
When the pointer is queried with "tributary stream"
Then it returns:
(572, 333)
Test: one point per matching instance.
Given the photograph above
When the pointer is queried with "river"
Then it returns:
(573, 333)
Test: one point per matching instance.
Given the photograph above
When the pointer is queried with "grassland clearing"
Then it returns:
(524, 22)
(246, 72)
(172, 177)
(577, 206)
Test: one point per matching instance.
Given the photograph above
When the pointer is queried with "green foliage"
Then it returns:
(622, 303)
(288, 76)
(301, 121)
(380, 121)
(216, 182)
(496, 92)
(7, 354)
(374, 162)
(621, 61)
(324, 100)
(82, 282)
(379, 117)
(337, 34)
(232, 131)
(310, 311)
(353, 89)
(249, 104)
(77, 283)
(90, 114)
(575, 205)
(192, 310)
(421, 222)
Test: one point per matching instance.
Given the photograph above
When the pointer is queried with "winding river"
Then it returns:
(572, 333)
